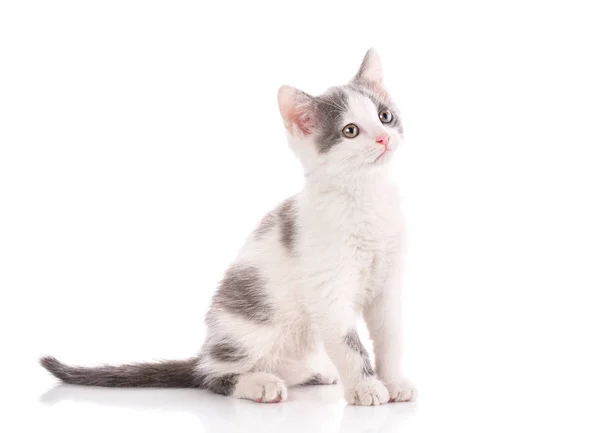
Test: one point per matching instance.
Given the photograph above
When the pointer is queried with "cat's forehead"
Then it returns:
(361, 107)
(366, 102)
(344, 98)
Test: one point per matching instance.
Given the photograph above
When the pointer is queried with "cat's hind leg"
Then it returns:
(238, 360)
(260, 386)
(240, 379)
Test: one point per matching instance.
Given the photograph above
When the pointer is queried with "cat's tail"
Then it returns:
(163, 374)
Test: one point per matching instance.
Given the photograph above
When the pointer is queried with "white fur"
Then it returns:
(261, 387)
(346, 262)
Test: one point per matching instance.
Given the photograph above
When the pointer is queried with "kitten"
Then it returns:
(287, 307)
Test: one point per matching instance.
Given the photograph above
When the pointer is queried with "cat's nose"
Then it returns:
(382, 139)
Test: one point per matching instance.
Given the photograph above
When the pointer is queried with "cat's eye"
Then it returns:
(350, 130)
(386, 116)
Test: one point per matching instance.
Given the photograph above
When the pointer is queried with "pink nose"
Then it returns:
(382, 139)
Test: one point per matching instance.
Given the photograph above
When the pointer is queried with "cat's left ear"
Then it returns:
(296, 108)
(370, 69)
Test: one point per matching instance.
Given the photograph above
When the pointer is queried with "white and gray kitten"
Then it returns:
(285, 312)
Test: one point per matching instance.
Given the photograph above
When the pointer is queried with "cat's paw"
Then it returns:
(261, 387)
(368, 392)
(401, 391)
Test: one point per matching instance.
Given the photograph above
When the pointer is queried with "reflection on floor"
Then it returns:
(308, 409)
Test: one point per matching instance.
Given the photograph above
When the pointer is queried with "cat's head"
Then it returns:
(348, 129)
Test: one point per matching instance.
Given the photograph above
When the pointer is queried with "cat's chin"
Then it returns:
(383, 158)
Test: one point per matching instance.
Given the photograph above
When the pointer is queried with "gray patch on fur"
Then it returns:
(223, 385)
(287, 216)
(316, 379)
(225, 351)
(352, 340)
(265, 226)
(165, 374)
(367, 369)
(362, 88)
(329, 111)
(242, 292)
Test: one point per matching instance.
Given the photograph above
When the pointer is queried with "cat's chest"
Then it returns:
(365, 223)
(366, 233)
(368, 243)
(357, 234)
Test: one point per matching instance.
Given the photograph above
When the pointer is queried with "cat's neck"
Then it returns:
(354, 184)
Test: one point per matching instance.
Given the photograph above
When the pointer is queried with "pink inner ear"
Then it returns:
(295, 107)
(298, 114)
(301, 118)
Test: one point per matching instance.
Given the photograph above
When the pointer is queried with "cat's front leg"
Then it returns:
(337, 326)
(382, 316)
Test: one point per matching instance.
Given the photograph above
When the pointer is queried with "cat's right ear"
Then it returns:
(296, 109)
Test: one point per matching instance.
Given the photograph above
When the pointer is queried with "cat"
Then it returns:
(285, 311)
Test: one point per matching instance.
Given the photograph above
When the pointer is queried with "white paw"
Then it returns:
(368, 392)
(401, 391)
(260, 387)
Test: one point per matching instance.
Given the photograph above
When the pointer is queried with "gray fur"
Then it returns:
(363, 89)
(288, 216)
(265, 226)
(225, 351)
(352, 340)
(242, 292)
(315, 379)
(165, 374)
(367, 369)
(223, 385)
(329, 110)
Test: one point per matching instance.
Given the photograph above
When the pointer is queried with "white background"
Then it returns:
(140, 142)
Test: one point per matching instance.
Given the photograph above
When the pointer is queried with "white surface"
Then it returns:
(140, 143)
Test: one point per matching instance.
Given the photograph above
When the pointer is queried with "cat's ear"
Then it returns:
(296, 108)
(370, 69)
